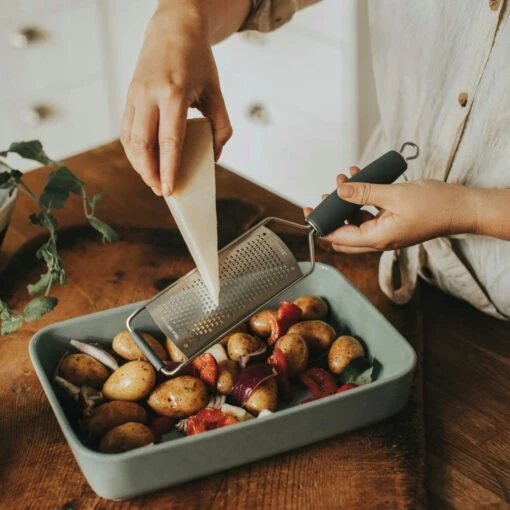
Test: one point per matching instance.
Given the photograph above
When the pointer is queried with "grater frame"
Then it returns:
(191, 283)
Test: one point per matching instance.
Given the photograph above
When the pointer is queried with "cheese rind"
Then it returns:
(193, 202)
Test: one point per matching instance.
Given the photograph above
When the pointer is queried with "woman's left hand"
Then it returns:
(410, 213)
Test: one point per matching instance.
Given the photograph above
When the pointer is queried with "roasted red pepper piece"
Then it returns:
(207, 368)
(319, 382)
(288, 314)
(279, 362)
(346, 387)
(208, 419)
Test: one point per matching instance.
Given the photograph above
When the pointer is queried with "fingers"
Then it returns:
(307, 211)
(353, 170)
(339, 248)
(367, 234)
(140, 140)
(364, 193)
(172, 130)
(220, 123)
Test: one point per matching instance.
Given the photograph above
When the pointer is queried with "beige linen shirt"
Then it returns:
(442, 72)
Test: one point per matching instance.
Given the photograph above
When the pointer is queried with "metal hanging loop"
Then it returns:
(414, 146)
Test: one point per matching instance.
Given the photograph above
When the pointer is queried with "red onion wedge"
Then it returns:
(98, 353)
(253, 356)
(249, 379)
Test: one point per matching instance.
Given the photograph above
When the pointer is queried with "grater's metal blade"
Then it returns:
(253, 269)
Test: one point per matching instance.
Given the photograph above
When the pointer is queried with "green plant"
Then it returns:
(61, 183)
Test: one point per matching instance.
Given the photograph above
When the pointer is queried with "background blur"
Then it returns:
(301, 99)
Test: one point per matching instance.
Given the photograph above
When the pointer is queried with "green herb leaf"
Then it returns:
(29, 150)
(44, 219)
(4, 310)
(44, 282)
(38, 307)
(11, 324)
(61, 182)
(354, 370)
(109, 235)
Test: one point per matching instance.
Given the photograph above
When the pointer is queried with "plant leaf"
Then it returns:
(38, 307)
(32, 149)
(109, 235)
(44, 219)
(60, 183)
(42, 284)
(11, 324)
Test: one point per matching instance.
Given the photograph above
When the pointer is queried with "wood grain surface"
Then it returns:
(381, 466)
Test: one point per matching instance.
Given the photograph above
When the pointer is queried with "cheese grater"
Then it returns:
(255, 268)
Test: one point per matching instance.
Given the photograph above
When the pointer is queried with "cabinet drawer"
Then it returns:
(57, 47)
(31, 7)
(308, 74)
(295, 155)
(77, 119)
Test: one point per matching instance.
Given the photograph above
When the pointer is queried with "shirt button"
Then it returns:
(494, 4)
(463, 99)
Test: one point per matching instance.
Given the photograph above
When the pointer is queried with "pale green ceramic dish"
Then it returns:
(124, 475)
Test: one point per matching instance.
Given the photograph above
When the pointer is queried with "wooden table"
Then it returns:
(382, 466)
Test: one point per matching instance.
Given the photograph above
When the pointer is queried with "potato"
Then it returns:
(127, 436)
(296, 352)
(312, 307)
(227, 373)
(242, 328)
(180, 397)
(260, 323)
(175, 353)
(317, 334)
(125, 346)
(242, 344)
(83, 370)
(111, 414)
(263, 397)
(132, 381)
(342, 352)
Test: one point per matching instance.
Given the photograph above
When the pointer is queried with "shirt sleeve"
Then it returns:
(267, 15)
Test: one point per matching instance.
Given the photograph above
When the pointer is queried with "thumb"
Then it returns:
(365, 193)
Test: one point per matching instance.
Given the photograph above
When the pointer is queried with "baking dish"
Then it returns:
(179, 458)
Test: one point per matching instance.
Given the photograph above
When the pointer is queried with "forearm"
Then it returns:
(220, 18)
(492, 212)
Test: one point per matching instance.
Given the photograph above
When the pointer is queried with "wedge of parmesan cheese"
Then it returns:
(193, 203)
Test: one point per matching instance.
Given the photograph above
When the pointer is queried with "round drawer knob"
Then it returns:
(24, 36)
(35, 115)
(259, 114)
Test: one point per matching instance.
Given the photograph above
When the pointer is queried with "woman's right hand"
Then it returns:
(175, 70)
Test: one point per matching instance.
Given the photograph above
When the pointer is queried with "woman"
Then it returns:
(443, 81)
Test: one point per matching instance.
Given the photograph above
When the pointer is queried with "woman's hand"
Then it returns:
(175, 70)
(410, 213)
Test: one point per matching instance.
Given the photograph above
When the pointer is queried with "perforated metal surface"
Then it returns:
(254, 269)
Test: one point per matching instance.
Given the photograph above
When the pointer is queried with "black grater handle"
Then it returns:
(333, 211)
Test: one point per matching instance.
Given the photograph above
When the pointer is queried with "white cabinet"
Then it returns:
(292, 95)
